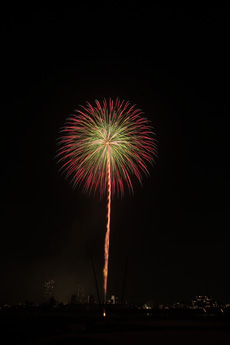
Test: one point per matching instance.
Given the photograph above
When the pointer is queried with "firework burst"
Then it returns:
(103, 147)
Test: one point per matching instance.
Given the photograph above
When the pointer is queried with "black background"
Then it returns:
(174, 231)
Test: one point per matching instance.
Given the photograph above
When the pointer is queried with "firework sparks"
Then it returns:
(102, 147)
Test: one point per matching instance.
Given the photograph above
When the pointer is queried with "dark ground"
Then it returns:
(59, 328)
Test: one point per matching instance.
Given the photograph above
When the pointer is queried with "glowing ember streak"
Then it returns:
(108, 226)
(102, 147)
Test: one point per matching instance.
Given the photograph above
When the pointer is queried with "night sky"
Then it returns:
(174, 231)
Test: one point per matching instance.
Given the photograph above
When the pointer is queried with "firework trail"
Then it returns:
(108, 227)
(101, 147)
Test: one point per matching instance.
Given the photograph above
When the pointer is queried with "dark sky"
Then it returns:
(173, 63)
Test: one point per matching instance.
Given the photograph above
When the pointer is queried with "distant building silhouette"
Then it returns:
(49, 289)
(80, 296)
(113, 299)
(201, 302)
(73, 299)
